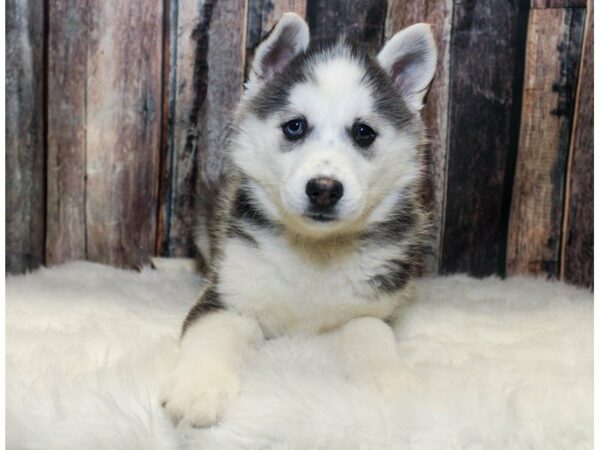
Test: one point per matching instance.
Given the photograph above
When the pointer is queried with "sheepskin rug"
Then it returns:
(501, 365)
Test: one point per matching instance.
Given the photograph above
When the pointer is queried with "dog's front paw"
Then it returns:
(198, 395)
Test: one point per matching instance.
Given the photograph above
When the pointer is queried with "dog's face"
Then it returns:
(328, 135)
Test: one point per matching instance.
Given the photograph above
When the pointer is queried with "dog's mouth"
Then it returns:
(320, 216)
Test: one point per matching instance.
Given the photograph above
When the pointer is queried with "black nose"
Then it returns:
(324, 192)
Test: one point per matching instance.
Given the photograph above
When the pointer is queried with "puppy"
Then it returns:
(319, 226)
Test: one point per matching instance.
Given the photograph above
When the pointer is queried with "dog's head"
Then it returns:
(327, 134)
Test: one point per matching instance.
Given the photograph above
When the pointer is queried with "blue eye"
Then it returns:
(294, 129)
(363, 134)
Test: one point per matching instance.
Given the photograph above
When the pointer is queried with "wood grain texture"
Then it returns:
(169, 52)
(486, 59)
(577, 264)
(24, 135)
(553, 50)
(123, 128)
(542, 4)
(264, 14)
(361, 20)
(207, 76)
(119, 152)
(67, 72)
(438, 13)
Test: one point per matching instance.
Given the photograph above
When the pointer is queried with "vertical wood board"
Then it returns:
(553, 50)
(542, 4)
(438, 13)
(24, 135)
(207, 75)
(486, 67)
(188, 24)
(361, 20)
(264, 14)
(67, 72)
(577, 265)
(123, 129)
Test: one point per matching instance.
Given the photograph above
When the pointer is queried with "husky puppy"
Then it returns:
(320, 226)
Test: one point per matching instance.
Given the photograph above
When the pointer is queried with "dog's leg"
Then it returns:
(369, 354)
(207, 374)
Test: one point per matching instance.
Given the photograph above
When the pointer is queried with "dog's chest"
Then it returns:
(290, 293)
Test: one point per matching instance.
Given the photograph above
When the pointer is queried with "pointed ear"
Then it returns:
(288, 38)
(409, 58)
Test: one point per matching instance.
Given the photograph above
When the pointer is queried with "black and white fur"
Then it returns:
(281, 264)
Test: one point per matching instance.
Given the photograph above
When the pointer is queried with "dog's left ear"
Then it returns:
(288, 38)
(409, 58)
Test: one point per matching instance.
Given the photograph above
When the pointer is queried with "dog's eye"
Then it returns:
(363, 134)
(294, 129)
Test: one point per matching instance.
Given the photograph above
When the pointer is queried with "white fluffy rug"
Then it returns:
(503, 364)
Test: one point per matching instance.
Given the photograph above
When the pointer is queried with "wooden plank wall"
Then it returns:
(435, 112)
(363, 20)
(553, 49)
(205, 74)
(25, 159)
(117, 112)
(66, 134)
(123, 129)
(577, 256)
(104, 100)
(486, 58)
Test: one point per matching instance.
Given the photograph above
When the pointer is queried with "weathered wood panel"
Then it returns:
(263, 14)
(577, 264)
(541, 4)
(206, 79)
(139, 97)
(24, 135)
(486, 60)
(123, 107)
(438, 13)
(169, 52)
(553, 50)
(362, 20)
(67, 72)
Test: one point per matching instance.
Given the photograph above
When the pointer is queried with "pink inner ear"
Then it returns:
(276, 59)
(406, 73)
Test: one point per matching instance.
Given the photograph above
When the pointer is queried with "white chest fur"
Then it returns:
(290, 290)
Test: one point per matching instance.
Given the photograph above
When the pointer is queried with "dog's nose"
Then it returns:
(324, 192)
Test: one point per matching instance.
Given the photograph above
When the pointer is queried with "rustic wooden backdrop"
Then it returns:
(116, 112)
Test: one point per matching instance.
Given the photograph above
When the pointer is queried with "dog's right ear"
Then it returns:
(288, 38)
(410, 58)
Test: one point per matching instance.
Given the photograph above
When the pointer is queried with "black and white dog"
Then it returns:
(320, 226)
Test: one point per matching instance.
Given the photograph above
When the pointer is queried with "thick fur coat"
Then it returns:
(319, 226)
